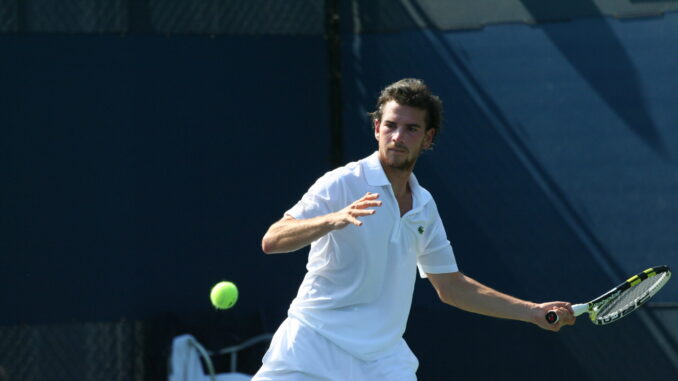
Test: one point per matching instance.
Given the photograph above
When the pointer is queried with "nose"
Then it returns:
(397, 135)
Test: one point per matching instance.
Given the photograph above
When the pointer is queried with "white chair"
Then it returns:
(185, 364)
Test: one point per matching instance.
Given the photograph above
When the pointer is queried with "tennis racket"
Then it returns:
(623, 299)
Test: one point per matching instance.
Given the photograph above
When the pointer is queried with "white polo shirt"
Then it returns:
(358, 289)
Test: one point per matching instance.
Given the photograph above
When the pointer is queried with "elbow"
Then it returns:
(267, 246)
(270, 244)
(448, 299)
(453, 290)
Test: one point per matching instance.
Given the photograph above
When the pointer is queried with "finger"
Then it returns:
(566, 317)
(368, 197)
(362, 204)
(362, 212)
(354, 221)
(568, 312)
(569, 319)
(368, 204)
(562, 322)
(550, 327)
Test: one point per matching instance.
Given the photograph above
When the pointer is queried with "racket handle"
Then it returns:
(552, 317)
(578, 309)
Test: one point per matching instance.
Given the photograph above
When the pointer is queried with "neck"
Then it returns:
(399, 179)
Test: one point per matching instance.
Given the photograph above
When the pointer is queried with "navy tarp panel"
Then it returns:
(558, 164)
(139, 171)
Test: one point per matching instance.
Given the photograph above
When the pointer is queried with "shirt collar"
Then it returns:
(374, 172)
(375, 176)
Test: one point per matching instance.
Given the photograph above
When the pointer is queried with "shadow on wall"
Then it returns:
(599, 70)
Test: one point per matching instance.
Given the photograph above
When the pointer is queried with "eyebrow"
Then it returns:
(407, 125)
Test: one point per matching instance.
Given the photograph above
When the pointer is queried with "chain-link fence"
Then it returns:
(208, 17)
(57, 16)
(252, 17)
(71, 352)
(9, 20)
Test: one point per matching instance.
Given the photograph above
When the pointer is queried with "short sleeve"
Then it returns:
(322, 198)
(437, 257)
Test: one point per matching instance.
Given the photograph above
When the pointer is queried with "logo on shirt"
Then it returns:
(420, 229)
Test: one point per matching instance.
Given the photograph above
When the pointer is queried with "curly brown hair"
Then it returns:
(414, 93)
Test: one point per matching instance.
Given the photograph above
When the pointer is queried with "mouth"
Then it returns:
(397, 150)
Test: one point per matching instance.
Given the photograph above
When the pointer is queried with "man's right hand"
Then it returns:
(358, 208)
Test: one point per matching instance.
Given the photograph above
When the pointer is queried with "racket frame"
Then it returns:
(593, 307)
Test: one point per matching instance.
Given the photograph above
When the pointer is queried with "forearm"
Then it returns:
(458, 290)
(470, 295)
(290, 234)
(478, 298)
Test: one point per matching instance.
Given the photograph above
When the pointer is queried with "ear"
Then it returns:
(428, 138)
(376, 129)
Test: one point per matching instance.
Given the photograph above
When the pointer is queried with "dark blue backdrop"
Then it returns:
(137, 171)
(558, 164)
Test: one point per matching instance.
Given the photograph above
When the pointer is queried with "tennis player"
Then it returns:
(370, 226)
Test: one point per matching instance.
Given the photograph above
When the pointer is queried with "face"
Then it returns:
(402, 135)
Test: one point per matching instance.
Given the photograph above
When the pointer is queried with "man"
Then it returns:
(370, 225)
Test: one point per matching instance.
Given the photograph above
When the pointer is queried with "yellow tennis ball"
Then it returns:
(224, 295)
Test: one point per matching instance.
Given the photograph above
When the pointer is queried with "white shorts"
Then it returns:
(297, 353)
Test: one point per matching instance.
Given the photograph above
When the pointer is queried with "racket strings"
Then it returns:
(632, 297)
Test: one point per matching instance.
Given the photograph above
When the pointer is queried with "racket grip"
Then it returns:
(552, 317)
